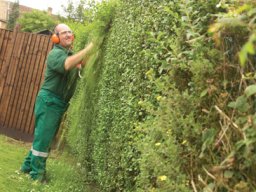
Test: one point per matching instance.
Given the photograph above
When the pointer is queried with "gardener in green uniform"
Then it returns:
(52, 99)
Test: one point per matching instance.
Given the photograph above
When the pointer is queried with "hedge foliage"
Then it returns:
(155, 108)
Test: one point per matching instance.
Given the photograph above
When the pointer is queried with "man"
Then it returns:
(52, 99)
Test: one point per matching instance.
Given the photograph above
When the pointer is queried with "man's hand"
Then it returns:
(73, 60)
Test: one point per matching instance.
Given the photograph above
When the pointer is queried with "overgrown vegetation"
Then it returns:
(167, 98)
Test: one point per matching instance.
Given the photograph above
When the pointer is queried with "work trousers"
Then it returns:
(49, 110)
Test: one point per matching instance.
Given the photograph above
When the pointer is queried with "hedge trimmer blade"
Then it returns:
(79, 74)
(79, 67)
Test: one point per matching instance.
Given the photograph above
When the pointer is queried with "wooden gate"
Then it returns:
(22, 64)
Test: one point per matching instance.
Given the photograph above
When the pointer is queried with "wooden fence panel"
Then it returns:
(22, 64)
(13, 70)
(22, 94)
(19, 79)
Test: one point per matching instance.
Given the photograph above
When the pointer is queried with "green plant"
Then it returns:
(152, 112)
(14, 14)
(36, 21)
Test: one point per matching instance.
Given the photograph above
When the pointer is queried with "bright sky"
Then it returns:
(44, 4)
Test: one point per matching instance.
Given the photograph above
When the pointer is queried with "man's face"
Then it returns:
(65, 35)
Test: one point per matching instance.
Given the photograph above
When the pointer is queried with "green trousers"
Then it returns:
(49, 110)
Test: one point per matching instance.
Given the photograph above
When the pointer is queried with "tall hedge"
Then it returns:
(151, 112)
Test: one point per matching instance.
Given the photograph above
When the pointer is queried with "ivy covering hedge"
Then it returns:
(146, 116)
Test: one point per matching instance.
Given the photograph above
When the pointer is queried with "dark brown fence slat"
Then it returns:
(6, 39)
(2, 33)
(2, 40)
(5, 54)
(22, 64)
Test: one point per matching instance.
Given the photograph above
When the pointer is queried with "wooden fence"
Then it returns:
(22, 64)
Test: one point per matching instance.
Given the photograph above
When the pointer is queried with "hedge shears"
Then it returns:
(79, 67)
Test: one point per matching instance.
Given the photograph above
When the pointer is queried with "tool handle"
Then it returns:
(79, 66)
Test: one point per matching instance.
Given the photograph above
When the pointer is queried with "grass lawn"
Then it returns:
(61, 171)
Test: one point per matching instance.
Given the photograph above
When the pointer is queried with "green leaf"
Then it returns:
(240, 104)
(232, 105)
(249, 48)
(209, 134)
(239, 145)
(242, 57)
(209, 188)
(250, 90)
(208, 139)
(228, 174)
(204, 92)
(240, 101)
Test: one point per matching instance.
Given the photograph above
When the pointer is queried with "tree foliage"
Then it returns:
(13, 16)
(36, 21)
(80, 12)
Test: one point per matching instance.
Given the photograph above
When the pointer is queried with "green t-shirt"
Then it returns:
(56, 79)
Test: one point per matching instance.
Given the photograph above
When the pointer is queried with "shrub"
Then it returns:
(151, 113)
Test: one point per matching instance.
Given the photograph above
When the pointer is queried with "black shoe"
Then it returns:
(26, 171)
(42, 179)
